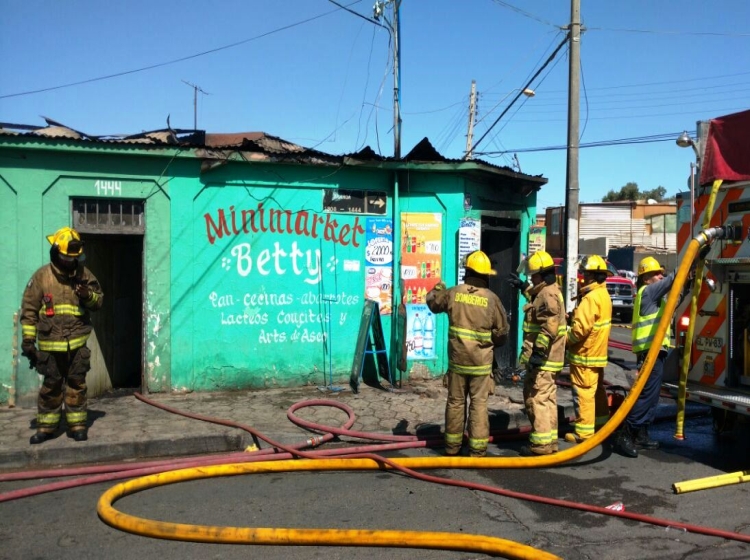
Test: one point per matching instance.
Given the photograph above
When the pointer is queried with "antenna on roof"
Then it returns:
(196, 89)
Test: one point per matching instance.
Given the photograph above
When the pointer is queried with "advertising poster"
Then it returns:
(421, 250)
(420, 332)
(469, 235)
(537, 239)
(379, 263)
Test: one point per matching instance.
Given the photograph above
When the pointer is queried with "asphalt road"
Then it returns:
(64, 525)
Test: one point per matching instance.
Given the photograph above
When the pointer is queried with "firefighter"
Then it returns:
(55, 312)
(543, 351)
(647, 312)
(477, 324)
(587, 344)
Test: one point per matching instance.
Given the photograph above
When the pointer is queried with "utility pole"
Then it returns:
(571, 179)
(472, 117)
(196, 89)
(396, 80)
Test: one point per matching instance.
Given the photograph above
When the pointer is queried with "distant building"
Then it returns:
(602, 226)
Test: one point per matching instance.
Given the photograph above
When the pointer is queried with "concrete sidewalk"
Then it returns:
(123, 428)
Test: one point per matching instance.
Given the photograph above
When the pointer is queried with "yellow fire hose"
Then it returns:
(686, 354)
(362, 537)
(711, 482)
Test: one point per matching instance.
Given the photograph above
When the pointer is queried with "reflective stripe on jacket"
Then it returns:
(648, 309)
(69, 325)
(544, 326)
(478, 323)
(588, 335)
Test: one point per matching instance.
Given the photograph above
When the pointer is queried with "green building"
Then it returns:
(241, 261)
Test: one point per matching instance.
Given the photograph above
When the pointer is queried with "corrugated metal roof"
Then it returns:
(259, 146)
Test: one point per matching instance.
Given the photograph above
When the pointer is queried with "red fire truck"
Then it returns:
(719, 361)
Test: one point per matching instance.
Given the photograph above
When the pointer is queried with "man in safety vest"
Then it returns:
(647, 312)
(543, 351)
(55, 311)
(477, 323)
(588, 341)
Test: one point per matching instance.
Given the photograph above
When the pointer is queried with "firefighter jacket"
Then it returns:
(52, 312)
(588, 335)
(478, 323)
(648, 309)
(544, 326)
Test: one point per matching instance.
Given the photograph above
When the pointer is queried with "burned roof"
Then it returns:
(218, 148)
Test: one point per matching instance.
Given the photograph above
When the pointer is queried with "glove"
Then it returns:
(704, 252)
(515, 281)
(83, 292)
(28, 350)
(536, 360)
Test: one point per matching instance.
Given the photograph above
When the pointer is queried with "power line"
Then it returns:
(664, 137)
(667, 32)
(176, 60)
(521, 90)
(524, 13)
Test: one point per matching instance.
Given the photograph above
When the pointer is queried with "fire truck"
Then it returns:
(718, 364)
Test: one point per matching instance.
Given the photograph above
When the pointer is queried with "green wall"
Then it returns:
(248, 282)
(36, 185)
(255, 263)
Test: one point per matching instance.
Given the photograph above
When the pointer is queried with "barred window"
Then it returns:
(96, 215)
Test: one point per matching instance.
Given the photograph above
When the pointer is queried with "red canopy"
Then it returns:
(727, 154)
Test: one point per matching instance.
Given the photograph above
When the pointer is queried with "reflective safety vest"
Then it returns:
(644, 326)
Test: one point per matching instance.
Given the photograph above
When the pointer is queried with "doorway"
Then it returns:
(500, 241)
(117, 262)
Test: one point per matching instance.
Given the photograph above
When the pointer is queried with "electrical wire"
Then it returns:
(520, 93)
(664, 137)
(525, 13)
(176, 60)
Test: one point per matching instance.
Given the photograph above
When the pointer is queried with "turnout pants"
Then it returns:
(589, 399)
(540, 398)
(477, 388)
(62, 370)
(644, 409)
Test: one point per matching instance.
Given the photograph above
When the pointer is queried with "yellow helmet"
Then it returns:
(594, 263)
(67, 241)
(537, 263)
(649, 264)
(479, 262)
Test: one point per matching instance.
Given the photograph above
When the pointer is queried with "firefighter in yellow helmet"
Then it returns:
(648, 309)
(588, 341)
(55, 315)
(543, 352)
(477, 323)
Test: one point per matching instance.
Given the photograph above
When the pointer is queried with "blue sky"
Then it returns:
(649, 67)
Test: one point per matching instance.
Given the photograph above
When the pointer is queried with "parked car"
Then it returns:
(621, 290)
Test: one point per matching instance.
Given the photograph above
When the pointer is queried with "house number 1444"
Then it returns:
(108, 188)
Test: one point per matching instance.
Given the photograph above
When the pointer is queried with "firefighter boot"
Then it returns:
(643, 441)
(625, 442)
(80, 435)
(40, 437)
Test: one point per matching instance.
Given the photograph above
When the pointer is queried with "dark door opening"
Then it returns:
(500, 240)
(117, 262)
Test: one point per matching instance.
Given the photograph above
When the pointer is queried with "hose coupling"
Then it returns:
(314, 441)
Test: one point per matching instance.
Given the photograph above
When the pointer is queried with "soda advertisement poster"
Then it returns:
(379, 263)
(420, 332)
(469, 235)
(421, 250)
(537, 239)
